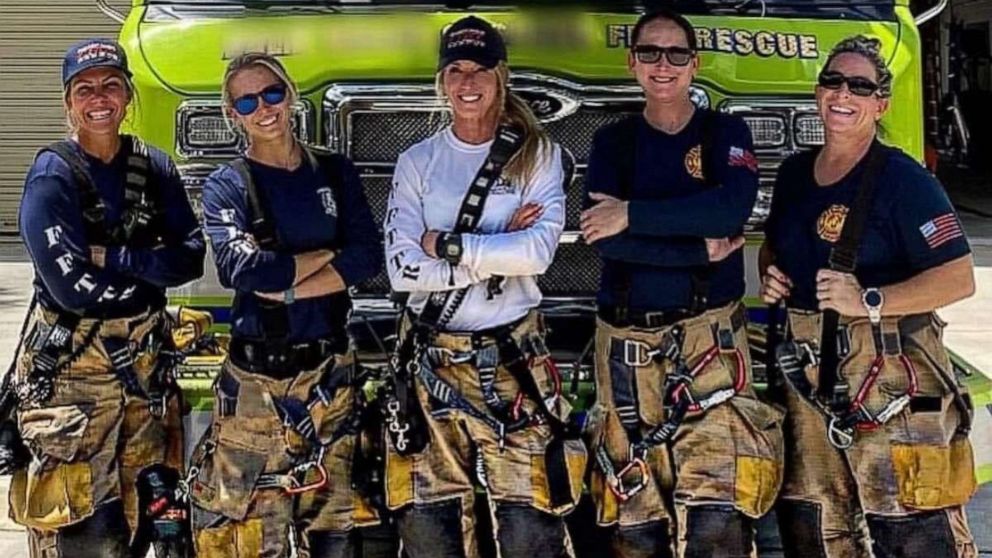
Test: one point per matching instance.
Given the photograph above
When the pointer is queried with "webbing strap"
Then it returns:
(623, 380)
(506, 144)
(142, 202)
(122, 360)
(625, 159)
(274, 315)
(448, 396)
(843, 258)
(260, 221)
(556, 463)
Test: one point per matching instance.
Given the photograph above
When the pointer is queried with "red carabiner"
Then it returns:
(873, 373)
(740, 378)
(617, 486)
(316, 485)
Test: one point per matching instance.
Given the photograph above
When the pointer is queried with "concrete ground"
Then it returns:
(969, 334)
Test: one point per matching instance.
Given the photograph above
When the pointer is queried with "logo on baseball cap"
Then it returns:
(474, 39)
(93, 53)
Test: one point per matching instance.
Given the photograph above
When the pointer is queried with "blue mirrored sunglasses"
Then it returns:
(247, 104)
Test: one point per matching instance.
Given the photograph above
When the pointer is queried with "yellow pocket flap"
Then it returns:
(934, 477)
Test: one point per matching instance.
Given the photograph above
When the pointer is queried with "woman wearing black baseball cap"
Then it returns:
(475, 215)
(108, 227)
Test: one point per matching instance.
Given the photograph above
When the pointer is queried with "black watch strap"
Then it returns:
(449, 247)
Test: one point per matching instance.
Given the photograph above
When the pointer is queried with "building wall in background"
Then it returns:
(33, 38)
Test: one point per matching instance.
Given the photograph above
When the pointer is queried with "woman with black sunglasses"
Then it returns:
(687, 456)
(878, 462)
(291, 231)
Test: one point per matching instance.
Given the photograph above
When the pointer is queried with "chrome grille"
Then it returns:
(575, 132)
(379, 137)
(775, 140)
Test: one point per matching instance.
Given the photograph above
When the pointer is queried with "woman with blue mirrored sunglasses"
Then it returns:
(291, 231)
(247, 104)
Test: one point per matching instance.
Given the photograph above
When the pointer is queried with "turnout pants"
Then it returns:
(261, 488)
(899, 490)
(434, 490)
(697, 493)
(90, 440)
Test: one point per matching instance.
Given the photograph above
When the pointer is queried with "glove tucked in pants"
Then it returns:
(90, 441)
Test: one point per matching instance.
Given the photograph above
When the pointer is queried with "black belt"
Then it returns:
(281, 361)
(644, 319)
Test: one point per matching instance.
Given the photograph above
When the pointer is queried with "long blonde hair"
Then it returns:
(516, 112)
(248, 60)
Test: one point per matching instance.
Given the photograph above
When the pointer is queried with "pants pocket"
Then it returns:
(549, 472)
(228, 476)
(932, 477)
(75, 465)
(54, 432)
(52, 498)
(760, 455)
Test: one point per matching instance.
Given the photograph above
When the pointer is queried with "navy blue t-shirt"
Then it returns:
(133, 278)
(308, 214)
(673, 209)
(911, 226)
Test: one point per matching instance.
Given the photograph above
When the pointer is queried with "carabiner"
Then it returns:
(624, 493)
(317, 484)
(840, 438)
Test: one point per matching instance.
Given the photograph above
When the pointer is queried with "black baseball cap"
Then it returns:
(471, 38)
(93, 53)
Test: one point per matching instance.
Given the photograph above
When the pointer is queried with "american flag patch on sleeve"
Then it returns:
(941, 230)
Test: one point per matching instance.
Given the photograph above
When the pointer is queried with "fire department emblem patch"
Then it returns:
(831, 222)
(694, 162)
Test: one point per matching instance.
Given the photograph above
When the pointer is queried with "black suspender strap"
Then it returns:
(93, 209)
(626, 161)
(843, 258)
(259, 217)
(406, 424)
(142, 203)
(507, 143)
(274, 316)
(625, 158)
(702, 275)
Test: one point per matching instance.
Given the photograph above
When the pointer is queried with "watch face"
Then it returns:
(873, 298)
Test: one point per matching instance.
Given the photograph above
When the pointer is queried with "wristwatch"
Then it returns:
(449, 247)
(289, 295)
(872, 299)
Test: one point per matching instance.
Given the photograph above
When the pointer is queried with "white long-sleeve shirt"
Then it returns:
(430, 182)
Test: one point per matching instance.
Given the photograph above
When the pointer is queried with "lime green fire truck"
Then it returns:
(365, 69)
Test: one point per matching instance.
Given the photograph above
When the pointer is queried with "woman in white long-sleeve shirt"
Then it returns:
(489, 421)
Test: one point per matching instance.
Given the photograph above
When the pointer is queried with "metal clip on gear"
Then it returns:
(621, 490)
(317, 463)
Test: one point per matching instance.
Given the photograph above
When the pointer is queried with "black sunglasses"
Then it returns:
(651, 54)
(862, 87)
(272, 95)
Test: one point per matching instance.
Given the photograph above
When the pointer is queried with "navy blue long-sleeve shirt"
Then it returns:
(133, 278)
(308, 214)
(672, 211)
